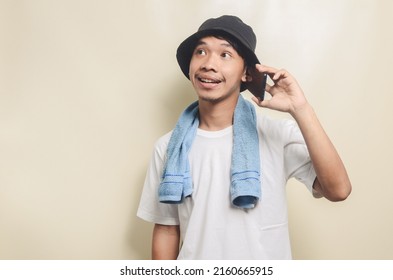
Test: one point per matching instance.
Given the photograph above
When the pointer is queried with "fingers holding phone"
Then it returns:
(286, 94)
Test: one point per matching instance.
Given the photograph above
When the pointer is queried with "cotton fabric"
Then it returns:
(176, 183)
(211, 228)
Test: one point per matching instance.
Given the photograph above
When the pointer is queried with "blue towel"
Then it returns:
(245, 190)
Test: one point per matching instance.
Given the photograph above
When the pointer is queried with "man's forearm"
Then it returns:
(165, 244)
(332, 178)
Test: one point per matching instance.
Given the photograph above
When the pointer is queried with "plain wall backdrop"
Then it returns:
(87, 87)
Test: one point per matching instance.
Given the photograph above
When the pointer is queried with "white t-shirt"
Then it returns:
(211, 228)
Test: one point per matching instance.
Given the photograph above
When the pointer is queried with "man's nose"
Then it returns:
(209, 63)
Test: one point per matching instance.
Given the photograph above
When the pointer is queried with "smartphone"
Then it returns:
(261, 95)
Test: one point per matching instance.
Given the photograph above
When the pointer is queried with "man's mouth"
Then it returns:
(209, 81)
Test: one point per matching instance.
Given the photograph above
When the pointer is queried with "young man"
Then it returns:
(215, 187)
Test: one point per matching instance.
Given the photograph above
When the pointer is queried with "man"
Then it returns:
(215, 187)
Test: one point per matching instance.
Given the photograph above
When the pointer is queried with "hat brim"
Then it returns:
(186, 49)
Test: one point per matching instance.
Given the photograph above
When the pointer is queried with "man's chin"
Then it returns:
(211, 98)
(215, 96)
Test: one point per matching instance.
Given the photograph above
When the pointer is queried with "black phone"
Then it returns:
(261, 95)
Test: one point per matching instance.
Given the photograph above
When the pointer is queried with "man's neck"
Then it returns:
(216, 116)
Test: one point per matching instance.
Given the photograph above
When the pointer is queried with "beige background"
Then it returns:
(86, 87)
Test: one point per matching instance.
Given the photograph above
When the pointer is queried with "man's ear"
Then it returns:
(246, 76)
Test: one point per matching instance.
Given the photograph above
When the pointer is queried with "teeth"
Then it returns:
(208, 81)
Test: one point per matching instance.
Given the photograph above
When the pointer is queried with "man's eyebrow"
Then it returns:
(203, 43)
(228, 45)
(200, 43)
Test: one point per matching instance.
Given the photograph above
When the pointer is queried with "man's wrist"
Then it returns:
(304, 112)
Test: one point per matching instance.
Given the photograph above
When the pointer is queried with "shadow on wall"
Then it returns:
(171, 102)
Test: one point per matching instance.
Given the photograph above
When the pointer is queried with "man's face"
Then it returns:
(216, 70)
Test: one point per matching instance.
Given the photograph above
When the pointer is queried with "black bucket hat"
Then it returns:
(230, 27)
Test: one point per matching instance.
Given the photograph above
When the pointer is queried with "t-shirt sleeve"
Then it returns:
(296, 157)
(150, 209)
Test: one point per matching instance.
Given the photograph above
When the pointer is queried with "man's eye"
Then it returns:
(200, 52)
(226, 55)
